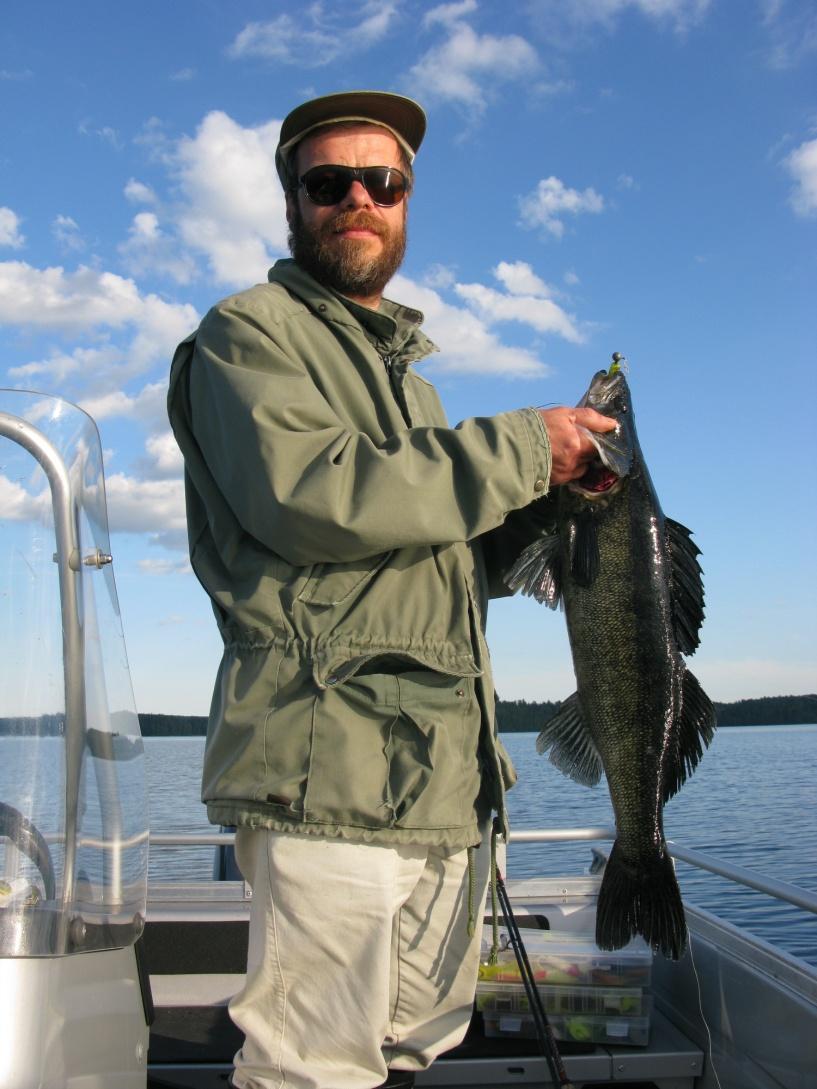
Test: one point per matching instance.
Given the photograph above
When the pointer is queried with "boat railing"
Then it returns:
(779, 890)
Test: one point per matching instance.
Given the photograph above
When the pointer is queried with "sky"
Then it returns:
(602, 175)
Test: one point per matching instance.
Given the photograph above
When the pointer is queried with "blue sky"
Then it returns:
(603, 175)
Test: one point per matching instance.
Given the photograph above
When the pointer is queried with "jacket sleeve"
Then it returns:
(305, 485)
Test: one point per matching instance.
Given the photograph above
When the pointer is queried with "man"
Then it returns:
(349, 539)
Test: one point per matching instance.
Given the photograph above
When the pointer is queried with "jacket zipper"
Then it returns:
(397, 390)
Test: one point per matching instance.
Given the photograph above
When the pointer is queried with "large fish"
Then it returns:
(630, 584)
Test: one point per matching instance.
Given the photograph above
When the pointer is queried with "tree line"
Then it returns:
(513, 716)
(517, 716)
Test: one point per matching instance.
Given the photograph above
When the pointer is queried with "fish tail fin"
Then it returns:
(641, 900)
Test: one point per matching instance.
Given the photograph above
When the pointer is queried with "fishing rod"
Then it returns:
(544, 1033)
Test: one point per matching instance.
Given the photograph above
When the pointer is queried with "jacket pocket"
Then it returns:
(333, 583)
(395, 751)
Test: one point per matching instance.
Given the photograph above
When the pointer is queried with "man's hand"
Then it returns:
(571, 449)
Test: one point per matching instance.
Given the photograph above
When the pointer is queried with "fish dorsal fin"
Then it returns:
(572, 749)
(584, 549)
(696, 728)
(687, 586)
(537, 571)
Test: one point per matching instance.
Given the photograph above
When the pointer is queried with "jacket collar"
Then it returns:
(393, 329)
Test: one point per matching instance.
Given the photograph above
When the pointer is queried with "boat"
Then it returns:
(109, 981)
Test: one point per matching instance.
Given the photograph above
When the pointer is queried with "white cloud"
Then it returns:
(449, 13)
(139, 193)
(792, 33)
(439, 276)
(145, 506)
(166, 457)
(520, 279)
(232, 203)
(156, 567)
(10, 229)
(533, 309)
(67, 234)
(148, 406)
(154, 138)
(104, 132)
(97, 303)
(552, 200)
(18, 505)
(148, 249)
(681, 15)
(802, 165)
(61, 367)
(54, 298)
(466, 65)
(324, 34)
(467, 344)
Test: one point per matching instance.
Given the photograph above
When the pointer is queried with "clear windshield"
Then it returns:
(73, 806)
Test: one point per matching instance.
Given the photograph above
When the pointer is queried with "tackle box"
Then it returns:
(598, 1001)
(590, 995)
(576, 1028)
(560, 958)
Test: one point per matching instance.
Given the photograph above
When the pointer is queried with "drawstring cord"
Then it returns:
(472, 881)
(472, 891)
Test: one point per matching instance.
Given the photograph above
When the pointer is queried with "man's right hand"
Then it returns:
(570, 447)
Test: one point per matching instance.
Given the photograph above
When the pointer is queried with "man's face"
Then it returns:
(354, 246)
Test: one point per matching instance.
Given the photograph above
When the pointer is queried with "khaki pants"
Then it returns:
(359, 959)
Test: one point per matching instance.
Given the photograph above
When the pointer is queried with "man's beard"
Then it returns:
(345, 264)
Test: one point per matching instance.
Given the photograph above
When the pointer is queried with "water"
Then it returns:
(751, 802)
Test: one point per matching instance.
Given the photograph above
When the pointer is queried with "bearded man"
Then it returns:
(349, 540)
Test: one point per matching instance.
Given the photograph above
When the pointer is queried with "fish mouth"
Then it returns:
(598, 480)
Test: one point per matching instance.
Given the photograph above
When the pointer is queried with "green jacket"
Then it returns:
(349, 540)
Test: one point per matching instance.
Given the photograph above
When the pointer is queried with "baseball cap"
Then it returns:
(403, 117)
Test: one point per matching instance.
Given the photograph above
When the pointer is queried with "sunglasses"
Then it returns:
(327, 185)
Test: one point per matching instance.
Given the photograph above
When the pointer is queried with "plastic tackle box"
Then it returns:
(577, 1028)
(598, 1001)
(568, 959)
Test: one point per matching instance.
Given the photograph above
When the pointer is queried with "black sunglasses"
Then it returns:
(327, 185)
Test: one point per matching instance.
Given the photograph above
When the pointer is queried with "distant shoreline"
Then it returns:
(513, 716)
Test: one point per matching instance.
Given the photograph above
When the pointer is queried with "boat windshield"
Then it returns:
(73, 806)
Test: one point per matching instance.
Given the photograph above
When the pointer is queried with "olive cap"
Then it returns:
(403, 117)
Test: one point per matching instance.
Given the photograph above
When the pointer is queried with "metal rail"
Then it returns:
(779, 890)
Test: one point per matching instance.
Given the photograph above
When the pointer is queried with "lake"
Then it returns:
(751, 802)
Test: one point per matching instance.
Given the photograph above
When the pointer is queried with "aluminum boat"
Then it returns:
(107, 982)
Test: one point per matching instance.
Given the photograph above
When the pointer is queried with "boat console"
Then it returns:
(73, 804)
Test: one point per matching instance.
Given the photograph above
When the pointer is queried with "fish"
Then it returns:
(629, 581)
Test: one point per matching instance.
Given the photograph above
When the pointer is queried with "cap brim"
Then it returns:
(402, 116)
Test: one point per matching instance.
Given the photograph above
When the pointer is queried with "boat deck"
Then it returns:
(195, 945)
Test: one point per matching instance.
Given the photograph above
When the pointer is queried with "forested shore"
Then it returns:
(519, 716)
(514, 716)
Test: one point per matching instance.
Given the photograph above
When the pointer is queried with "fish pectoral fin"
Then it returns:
(536, 572)
(572, 749)
(584, 550)
(686, 585)
(695, 732)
